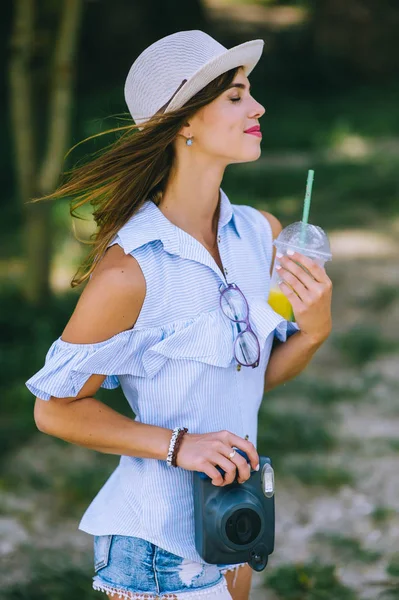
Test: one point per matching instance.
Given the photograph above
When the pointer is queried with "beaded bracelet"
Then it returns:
(174, 445)
(179, 440)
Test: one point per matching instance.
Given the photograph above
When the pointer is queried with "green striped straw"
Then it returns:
(306, 206)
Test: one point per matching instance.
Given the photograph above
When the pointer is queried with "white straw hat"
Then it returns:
(172, 70)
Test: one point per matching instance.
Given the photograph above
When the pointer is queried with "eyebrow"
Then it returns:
(241, 86)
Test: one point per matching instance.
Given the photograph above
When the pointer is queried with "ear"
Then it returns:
(185, 130)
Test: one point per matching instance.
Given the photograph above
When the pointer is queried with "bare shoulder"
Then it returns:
(110, 302)
(274, 223)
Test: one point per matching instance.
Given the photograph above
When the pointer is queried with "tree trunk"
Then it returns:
(63, 78)
(21, 109)
(36, 179)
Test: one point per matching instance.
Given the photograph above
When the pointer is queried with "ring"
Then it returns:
(232, 454)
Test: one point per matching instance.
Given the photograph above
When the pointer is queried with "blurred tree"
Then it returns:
(41, 91)
(39, 156)
(358, 35)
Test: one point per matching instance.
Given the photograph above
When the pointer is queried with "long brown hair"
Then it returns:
(133, 168)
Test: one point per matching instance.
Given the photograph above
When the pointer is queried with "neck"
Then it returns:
(191, 197)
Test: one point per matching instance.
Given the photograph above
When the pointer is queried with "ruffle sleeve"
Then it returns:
(68, 366)
(266, 320)
(207, 337)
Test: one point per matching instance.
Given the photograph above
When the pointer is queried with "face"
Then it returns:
(222, 129)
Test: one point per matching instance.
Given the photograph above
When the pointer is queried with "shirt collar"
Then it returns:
(150, 224)
(227, 214)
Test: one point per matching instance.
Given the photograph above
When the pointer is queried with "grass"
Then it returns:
(294, 431)
(323, 392)
(382, 514)
(315, 472)
(74, 490)
(309, 581)
(390, 594)
(362, 343)
(348, 548)
(394, 444)
(47, 582)
(70, 490)
(380, 299)
(393, 567)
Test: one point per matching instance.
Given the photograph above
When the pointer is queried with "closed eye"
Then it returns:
(235, 99)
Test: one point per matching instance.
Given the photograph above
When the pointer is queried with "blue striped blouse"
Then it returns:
(176, 366)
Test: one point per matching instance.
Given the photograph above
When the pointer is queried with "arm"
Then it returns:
(109, 304)
(289, 358)
(310, 298)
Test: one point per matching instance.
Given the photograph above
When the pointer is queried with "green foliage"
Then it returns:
(381, 514)
(394, 444)
(348, 548)
(72, 484)
(310, 581)
(292, 431)
(323, 392)
(47, 582)
(75, 489)
(393, 566)
(390, 593)
(313, 122)
(27, 333)
(362, 343)
(380, 299)
(313, 472)
(348, 194)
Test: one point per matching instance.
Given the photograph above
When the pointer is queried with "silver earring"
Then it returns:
(189, 142)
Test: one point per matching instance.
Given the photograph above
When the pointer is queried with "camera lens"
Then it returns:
(243, 527)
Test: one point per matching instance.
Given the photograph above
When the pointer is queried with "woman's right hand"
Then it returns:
(202, 452)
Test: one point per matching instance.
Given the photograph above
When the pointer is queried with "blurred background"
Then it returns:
(329, 81)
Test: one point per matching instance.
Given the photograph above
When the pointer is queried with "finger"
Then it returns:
(318, 272)
(293, 298)
(289, 266)
(228, 467)
(214, 475)
(247, 447)
(243, 467)
(295, 284)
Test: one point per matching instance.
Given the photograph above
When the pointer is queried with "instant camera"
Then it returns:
(235, 523)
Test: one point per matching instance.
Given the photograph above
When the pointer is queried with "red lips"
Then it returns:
(254, 129)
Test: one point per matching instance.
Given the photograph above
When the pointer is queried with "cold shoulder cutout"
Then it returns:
(207, 338)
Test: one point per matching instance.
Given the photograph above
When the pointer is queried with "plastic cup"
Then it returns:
(309, 240)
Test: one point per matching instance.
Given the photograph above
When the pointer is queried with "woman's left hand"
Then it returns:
(309, 294)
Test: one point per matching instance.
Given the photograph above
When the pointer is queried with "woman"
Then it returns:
(155, 317)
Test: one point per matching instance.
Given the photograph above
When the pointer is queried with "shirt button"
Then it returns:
(225, 270)
(238, 367)
(218, 239)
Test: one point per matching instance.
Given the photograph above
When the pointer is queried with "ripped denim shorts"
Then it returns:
(130, 567)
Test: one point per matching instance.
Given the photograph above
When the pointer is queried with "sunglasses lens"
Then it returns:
(246, 348)
(233, 305)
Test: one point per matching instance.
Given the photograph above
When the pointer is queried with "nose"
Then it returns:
(257, 110)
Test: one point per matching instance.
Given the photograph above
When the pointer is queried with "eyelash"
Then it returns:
(235, 99)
